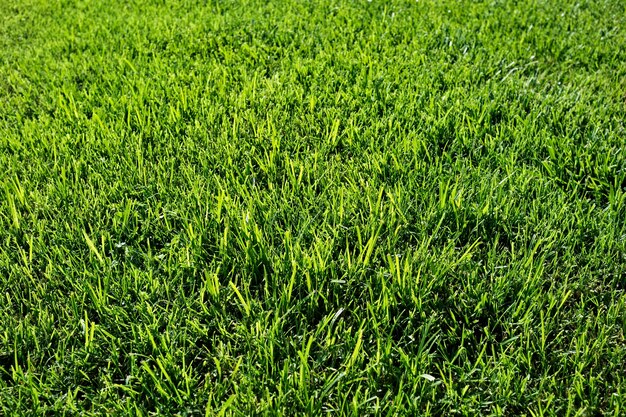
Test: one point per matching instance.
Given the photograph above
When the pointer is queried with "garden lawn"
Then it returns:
(411, 208)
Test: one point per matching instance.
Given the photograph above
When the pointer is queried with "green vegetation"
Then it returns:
(311, 207)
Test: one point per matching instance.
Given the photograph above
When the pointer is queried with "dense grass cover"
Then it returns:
(308, 207)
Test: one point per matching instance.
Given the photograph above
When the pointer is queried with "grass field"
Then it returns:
(412, 208)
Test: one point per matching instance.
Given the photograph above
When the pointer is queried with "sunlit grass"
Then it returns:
(301, 208)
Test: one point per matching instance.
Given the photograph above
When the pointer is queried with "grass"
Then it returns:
(300, 208)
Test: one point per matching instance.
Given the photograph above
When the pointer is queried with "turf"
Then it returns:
(311, 207)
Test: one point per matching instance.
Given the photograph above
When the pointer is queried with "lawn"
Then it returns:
(329, 207)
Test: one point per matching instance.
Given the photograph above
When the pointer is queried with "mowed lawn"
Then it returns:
(329, 207)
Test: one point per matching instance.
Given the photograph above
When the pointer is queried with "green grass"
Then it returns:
(309, 208)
